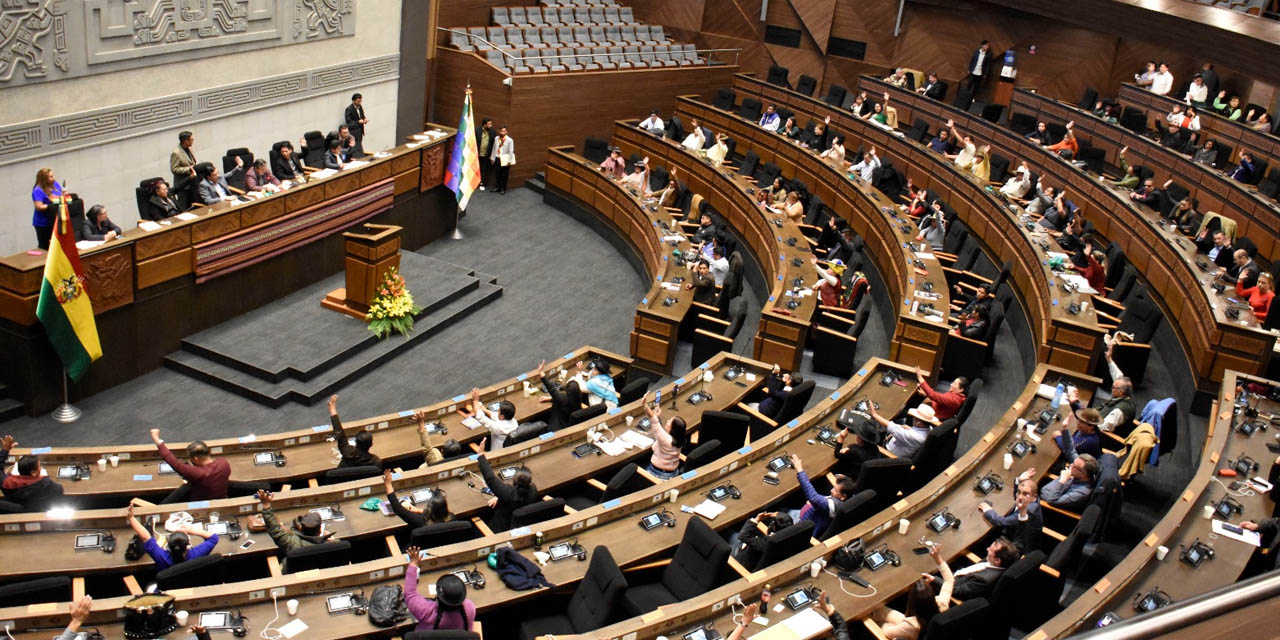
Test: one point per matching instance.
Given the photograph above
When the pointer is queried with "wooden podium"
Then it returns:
(369, 256)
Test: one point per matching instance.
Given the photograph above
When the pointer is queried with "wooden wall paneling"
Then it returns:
(733, 18)
(817, 17)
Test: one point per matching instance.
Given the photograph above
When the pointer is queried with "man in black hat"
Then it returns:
(1084, 439)
(864, 447)
(309, 526)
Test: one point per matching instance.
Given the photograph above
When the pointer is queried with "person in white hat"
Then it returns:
(905, 441)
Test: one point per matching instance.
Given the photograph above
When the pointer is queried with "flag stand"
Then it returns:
(457, 232)
(66, 412)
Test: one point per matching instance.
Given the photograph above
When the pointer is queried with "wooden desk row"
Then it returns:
(777, 245)
(1231, 132)
(919, 338)
(308, 452)
(1212, 342)
(595, 526)
(550, 457)
(952, 490)
(1140, 571)
(1256, 216)
(1072, 341)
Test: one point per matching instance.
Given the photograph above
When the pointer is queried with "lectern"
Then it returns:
(369, 255)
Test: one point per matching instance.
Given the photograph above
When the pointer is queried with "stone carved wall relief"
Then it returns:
(33, 38)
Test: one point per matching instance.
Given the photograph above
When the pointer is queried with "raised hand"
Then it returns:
(333, 405)
(386, 481)
(155, 436)
(264, 498)
(7, 443)
(415, 555)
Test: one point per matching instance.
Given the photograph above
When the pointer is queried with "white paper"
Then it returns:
(186, 216)
(148, 225)
(1245, 536)
(323, 173)
(88, 244)
(1078, 282)
(354, 164)
(1046, 391)
(709, 509)
(670, 286)
(640, 441)
(294, 628)
(471, 423)
(927, 295)
(807, 623)
(924, 255)
(614, 447)
(413, 145)
(751, 377)
(673, 238)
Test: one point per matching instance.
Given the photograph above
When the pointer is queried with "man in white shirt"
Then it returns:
(639, 178)
(905, 441)
(967, 149)
(1197, 93)
(1162, 82)
(866, 168)
(653, 124)
(500, 424)
(719, 264)
(770, 120)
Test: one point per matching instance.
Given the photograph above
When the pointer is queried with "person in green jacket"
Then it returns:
(1129, 175)
(1230, 109)
(309, 526)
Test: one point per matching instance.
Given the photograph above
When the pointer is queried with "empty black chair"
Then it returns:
(442, 533)
(703, 454)
(750, 110)
(778, 76)
(919, 130)
(784, 544)
(592, 605)
(697, 567)
(750, 162)
(442, 634)
(347, 474)
(730, 429)
(317, 556)
(853, 510)
(1088, 99)
(1012, 593)
(999, 168)
(633, 390)
(537, 512)
(886, 477)
(199, 572)
(40, 590)
(595, 149)
(935, 454)
(314, 156)
(1134, 119)
(963, 97)
(724, 99)
(527, 432)
(836, 95)
(1067, 553)
(959, 621)
(583, 415)
(1094, 158)
(675, 129)
(806, 84)
(834, 350)
(627, 480)
(992, 112)
(1022, 123)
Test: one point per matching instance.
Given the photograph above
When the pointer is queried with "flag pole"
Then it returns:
(66, 412)
(457, 219)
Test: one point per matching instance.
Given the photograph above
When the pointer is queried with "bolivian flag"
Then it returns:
(64, 306)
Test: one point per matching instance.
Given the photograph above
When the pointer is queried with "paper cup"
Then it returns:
(675, 495)
(630, 419)
(1208, 512)
(1008, 461)
(292, 605)
(1161, 552)
(213, 517)
(1022, 424)
(181, 617)
(102, 464)
(707, 376)
(903, 525)
(115, 461)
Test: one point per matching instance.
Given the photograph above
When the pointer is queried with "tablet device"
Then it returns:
(876, 559)
(798, 598)
(1225, 510)
(326, 513)
(463, 575)
(696, 634)
(779, 463)
(986, 485)
(561, 551)
(339, 603)
(264, 458)
(69, 472)
(88, 541)
(508, 473)
(216, 620)
(939, 523)
(1020, 449)
(719, 493)
(421, 496)
(650, 521)
(1193, 556)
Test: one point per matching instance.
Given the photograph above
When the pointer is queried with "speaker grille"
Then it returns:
(847, 48)
(782, 36)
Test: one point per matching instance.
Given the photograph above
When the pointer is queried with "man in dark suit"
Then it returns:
(354, 117)
(213, 188)
(979, 580)
(851, 454)
(1217, 246)
(933, 88)
(1024, 521)
(839, 243)
(1148, 194)
(484, 145)
(334, 158)
(702, 284)
(286, 165)
(1210, 78)
(979, 67)
(1245, 270)
(343, 135)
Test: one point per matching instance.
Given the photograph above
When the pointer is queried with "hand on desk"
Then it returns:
(984, 506)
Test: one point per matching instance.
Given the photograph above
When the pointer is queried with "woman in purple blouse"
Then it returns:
(450, 609)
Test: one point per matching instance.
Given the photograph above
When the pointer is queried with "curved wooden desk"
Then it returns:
(776, 244)
(1063, 339)
(953, 490)
(597, 525)
(309, 452)
(550, 457)
(1140, 571)
(1211, 341)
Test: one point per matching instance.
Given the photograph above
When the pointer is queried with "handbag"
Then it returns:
(257, 523)
(150, 615)
(387, 607)
(850, 557)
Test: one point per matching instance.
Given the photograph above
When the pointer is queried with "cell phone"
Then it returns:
(921, 551)
(248, 543)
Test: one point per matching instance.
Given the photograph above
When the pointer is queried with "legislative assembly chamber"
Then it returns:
(639, 319)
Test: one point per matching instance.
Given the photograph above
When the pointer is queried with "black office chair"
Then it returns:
(40, 590)
(200, 572)
(959, 621)
(701, 455)
(886, 477)
(1022, 123)
(626, 481)
(963, 97)
(527, 432)
(750, 161)
(1134, 119)
(697, 567)
(443, 533)
(315, 149)
(934, 455)
(795, 402)
(784, 544)
(750, 110)
(778, 76)
(142, 193)
(806, 85)
(919, 130)
(730, 429)
(442, 634)
(236, 178)
(537, 512)
(836, 95)
(317, 556)
(1088, 99)
(593, 604)
(203, 170)
(347, 474)
(633, 391)
(834, 350)
(850, 512)
(595, 149)
(724, 100)
(583, 415)
(11, 507)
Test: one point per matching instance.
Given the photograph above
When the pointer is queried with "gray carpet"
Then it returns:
(554, 301)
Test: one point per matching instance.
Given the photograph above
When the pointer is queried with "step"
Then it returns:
(318, 339)
(10, 408)
(537, 184)
(308, 392)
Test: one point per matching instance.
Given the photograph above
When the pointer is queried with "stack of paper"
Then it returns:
(147, 225)
(615, 447)
(471, 423)
(87, 244)
(637, 440)
(709, 509)
(186, 216)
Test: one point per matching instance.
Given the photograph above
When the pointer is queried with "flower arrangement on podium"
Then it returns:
(393, 308)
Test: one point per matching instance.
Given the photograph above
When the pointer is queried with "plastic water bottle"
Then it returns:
(1057, 397)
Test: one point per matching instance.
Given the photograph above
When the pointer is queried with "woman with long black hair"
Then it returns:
(177, 547)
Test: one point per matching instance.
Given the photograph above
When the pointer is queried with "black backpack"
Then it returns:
(387, 607)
